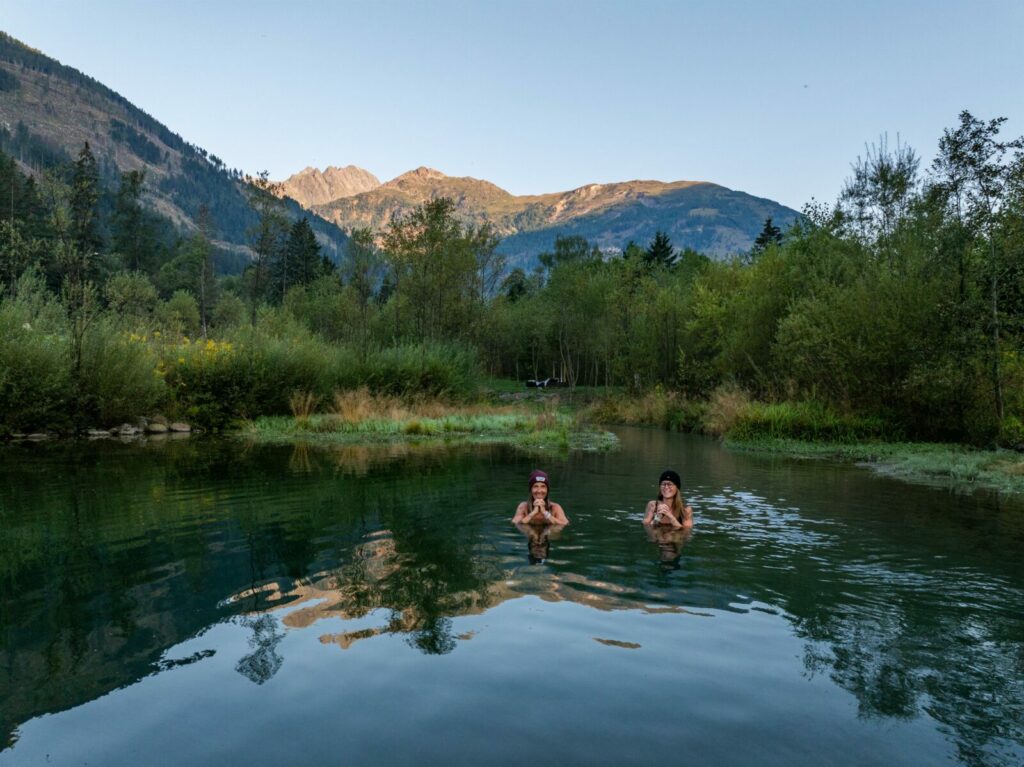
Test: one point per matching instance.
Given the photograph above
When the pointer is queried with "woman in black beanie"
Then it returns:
(669, 508)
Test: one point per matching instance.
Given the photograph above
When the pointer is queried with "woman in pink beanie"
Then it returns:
(539, 510)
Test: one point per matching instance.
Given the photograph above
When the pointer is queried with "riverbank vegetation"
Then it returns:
(358, 416)
(896, 314)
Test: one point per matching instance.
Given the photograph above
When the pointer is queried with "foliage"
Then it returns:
(900, 311)
(35, 380)
(131, 296)
(120, 379)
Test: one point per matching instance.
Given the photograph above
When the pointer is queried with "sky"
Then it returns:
(772, 97)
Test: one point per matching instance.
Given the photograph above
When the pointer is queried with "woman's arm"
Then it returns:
(687, 517)
(521, 515)
(558, 515)
(649, 514)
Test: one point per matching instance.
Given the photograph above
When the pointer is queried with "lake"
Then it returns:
(209, 602)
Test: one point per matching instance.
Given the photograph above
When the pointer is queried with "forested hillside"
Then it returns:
(48, 111)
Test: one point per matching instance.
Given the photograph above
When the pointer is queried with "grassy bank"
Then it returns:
(359, 417)
(811, 430)
(955, 466)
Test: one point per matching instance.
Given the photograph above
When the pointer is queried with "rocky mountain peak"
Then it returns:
(310, 186)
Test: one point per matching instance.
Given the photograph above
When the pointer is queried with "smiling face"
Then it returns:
(668, 490)
(539, 490)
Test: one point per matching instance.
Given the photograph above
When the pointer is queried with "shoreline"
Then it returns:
(956, 467)
(519, 430)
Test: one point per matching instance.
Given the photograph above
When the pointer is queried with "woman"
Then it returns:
(539, 510)
(669, 508)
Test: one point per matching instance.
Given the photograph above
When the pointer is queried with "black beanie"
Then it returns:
(672, 477)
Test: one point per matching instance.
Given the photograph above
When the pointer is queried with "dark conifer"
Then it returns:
(660, 252)
(770, 235)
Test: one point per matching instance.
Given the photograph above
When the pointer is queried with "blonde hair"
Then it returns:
(678, 507)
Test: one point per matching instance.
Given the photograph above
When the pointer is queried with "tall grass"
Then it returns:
(657, 407)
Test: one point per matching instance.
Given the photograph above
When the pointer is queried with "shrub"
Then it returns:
(35, 385)
(432, 369)
(727, 407)
(120, 379)
(209, 380)
(131, 295)
(228, 312)
(179, 314)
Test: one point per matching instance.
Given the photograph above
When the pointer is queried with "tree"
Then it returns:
(131, 295)
(192, 269)
(266, 236)
(131, 238)
(770, 235)
(881, 190)
(490, 264)
(299, 261)
(660, 252)
(84, 198)
(973, 171)
(17, 252)
(569, 249)
(632, 251)
(515, 286)
(362, 270)
(434, 263)
(179, 314)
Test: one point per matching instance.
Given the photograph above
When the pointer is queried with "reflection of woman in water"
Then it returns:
(669, 508)
(670, 542)
(538, 541)
(539, 510)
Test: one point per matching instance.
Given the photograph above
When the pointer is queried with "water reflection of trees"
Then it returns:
(122, 559)
(264, 660)
(135, 549)
(905, 634)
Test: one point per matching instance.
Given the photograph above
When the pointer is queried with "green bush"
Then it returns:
(434, 369)
(209, 381)
(120, 377)
(35, 384)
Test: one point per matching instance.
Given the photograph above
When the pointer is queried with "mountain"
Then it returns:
(311, 187)
(49, 110)
(707, 217)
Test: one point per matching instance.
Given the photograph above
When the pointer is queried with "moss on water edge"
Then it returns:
(958, 467)
(525, 432)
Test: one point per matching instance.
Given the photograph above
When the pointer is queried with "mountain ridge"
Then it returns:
(697, 214)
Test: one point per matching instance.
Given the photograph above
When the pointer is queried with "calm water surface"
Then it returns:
(207, 603)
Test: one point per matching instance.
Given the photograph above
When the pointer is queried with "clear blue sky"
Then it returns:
(773, 98)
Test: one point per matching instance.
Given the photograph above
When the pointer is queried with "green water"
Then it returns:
(210, 603)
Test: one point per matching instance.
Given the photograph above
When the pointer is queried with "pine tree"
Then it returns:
(130, 236)
(266, 235)
(85, 195)
(660, 252)
(299, 262)
(770, 235)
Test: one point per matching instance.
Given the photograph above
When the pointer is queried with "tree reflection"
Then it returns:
(264, 661)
